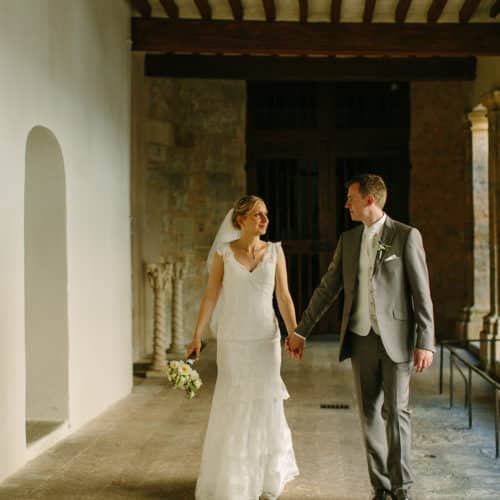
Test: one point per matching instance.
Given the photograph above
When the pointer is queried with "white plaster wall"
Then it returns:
(65, 65)
(487, 79)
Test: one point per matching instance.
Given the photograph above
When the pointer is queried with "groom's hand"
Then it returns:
(295, 346)
(422, 359)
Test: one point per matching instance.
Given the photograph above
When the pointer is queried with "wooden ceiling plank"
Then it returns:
(260, 37)
(143, 7)
(335, 11)
(170, 8)
(369, 10)
(435, 10)
(402, 10)
(237, 9)
(311, 68)
(468, 9)
(495, 9)
(204, 9)
(303, 11)
(270, 10)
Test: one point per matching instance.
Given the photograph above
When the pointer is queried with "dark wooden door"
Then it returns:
(304, 141)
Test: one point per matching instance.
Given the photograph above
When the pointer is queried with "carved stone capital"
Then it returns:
(478, 119)
(179, 269)
(159, 274)
(491, 100)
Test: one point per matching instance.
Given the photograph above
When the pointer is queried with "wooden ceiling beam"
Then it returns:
(402, 10)
(270, 10)
(468, 9)
(204, 9)
(237, 9)
(303, 11)
(495, 9)
(170, 8)
(258, 37)
(143, 7)
(310, 68)
(335, 11)
(435, 10)
(369, 10)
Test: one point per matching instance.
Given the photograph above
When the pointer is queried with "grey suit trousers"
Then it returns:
(382, 389)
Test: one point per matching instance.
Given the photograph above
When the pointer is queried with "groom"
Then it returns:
(387, 326)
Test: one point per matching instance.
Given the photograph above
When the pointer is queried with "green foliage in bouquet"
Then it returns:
(182, 376)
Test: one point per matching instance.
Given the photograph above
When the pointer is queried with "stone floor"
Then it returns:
(148, 445)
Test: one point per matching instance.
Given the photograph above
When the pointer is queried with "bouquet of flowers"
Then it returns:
(182, 376)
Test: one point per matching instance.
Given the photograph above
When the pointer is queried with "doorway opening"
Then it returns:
(304, 141)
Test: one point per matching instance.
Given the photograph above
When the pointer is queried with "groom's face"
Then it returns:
(357, 204)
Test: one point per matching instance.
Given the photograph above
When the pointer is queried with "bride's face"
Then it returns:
(256, 221)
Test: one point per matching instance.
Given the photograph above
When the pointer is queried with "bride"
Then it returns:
(248, 452)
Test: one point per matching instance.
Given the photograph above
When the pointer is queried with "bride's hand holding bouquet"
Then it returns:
(194, 347)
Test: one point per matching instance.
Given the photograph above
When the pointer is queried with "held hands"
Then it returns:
(422, 359)
(294, 346)
(194, 347)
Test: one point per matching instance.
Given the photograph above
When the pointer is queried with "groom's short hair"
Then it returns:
(371, 184)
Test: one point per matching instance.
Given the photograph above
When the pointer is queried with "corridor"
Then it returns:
(148, 445)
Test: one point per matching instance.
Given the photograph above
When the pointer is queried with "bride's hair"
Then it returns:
(243, 206)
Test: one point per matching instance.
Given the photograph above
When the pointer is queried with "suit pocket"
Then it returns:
(391, 258)
(400, 315)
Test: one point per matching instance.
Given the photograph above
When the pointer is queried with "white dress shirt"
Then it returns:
(364, 314)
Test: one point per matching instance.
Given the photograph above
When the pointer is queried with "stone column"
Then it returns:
(178, 347)
(471, 322)
(159, 276)
(491, 327)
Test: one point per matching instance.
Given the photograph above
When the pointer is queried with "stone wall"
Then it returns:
(440, 195)
(189, 168)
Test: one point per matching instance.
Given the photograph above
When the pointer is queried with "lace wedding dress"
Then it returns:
(248, 447)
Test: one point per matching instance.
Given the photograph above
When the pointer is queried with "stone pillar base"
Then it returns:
(156, 374)
(471, 324)
(495, 372)
(490, 351)
(176, 354)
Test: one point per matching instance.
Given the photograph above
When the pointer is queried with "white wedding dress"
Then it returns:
(248, 446)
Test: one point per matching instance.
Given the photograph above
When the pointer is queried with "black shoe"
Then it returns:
(381, 494)
(400, 495)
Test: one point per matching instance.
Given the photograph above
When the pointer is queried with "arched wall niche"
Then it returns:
(46, 311)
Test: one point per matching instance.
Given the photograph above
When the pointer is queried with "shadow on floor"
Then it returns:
(173, 490)
(169, 489)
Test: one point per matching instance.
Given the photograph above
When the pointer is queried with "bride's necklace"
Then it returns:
(250, 252)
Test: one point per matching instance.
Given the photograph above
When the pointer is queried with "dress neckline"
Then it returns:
(250, 271)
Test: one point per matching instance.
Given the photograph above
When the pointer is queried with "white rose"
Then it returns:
(194, 375)
(174, 365)
(197, 383)
(185, 369)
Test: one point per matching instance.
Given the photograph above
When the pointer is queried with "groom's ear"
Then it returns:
(370, 199)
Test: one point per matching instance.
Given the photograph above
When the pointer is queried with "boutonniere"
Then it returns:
(381, 248)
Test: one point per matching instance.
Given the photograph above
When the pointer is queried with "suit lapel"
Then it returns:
(351, 255)
(388, 233)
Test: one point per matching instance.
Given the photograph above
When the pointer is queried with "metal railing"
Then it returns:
(457, 357)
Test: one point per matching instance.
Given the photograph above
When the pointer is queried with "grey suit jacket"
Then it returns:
(401, 287)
